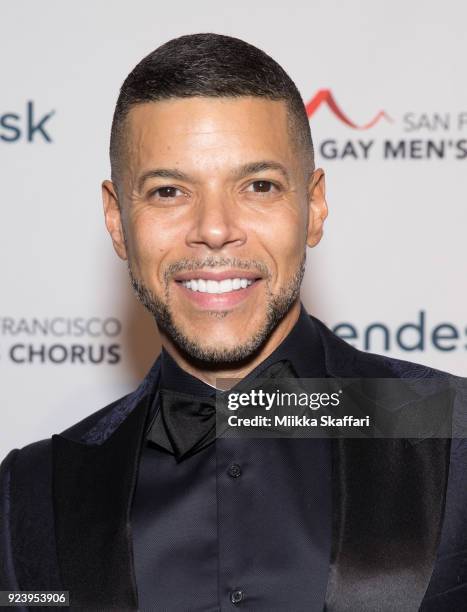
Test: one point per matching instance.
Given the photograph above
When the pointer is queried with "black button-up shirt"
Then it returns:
(242, 523)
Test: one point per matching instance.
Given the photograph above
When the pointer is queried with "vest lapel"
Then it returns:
(93, 488)
(388, 502)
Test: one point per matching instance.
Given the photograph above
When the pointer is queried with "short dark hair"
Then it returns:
(207, 65)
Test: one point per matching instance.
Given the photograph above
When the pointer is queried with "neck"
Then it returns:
(210, 373)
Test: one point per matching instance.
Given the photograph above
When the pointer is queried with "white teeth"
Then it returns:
(226, 285)
(213, 286)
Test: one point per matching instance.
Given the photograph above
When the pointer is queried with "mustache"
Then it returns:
(189, 265)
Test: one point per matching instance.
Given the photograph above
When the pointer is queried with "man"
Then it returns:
(213, 200)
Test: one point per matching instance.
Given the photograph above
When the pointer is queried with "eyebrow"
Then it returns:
(170, 173)
(238, 173)
(260, 166)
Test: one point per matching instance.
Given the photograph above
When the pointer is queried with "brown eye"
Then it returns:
(167, 192)
(262, 187)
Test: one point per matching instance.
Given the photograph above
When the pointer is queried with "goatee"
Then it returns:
(277, 307)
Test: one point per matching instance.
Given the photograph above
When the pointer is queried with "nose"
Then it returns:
(216, 224)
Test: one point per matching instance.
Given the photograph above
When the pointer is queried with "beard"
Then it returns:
(277, 306)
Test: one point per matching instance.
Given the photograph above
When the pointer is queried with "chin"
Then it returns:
(223, 351)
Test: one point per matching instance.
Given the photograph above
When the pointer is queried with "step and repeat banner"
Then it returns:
(387, 102)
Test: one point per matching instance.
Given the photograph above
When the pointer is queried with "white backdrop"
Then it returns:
(72, 336)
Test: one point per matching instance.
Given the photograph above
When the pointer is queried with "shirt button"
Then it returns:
(236, 596)
(235, 471)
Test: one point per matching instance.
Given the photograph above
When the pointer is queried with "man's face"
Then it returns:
(216, 208)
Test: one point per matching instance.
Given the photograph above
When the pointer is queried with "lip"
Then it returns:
(218, 301)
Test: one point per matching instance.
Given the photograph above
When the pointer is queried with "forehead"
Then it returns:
(197, 130)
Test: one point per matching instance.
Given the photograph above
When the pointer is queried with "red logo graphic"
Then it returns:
(324, 96)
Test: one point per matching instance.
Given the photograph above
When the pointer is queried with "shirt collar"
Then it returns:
(177, 379)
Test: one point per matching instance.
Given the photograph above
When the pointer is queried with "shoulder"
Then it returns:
(75, 431)
(94, 428)
(26, 487)
(28, 461)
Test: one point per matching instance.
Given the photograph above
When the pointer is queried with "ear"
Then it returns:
(317, 207)
(113, 218)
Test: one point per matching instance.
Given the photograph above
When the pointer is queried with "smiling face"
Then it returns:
(215, 207)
